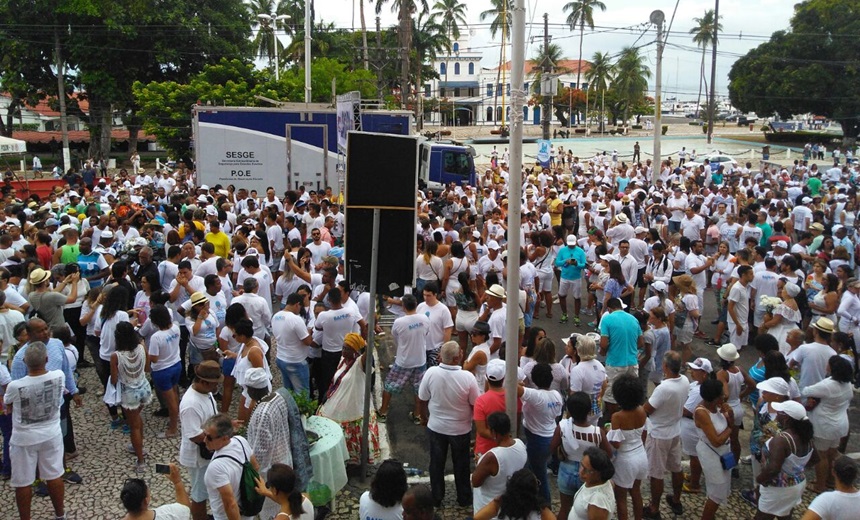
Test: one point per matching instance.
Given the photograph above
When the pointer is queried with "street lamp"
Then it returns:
(268, 20)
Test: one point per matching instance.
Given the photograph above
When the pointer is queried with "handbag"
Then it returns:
(204, 452)
(113, 394)
(727, 460)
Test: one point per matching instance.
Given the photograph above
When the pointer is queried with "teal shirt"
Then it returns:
(623, 331)
(572, 271)
(766, 232)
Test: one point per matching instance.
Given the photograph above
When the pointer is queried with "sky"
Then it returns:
(746, 24)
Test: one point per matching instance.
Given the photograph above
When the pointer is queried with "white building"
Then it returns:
(477, 92)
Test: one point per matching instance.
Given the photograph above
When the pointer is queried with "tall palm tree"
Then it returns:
(703, 36)
(631, 77)
(449, 14)
(405, 10)
(428, 42)
(265, 40)
(501, 17)
(582, 14)
(363, 35)
(599, 75)
(548, 56)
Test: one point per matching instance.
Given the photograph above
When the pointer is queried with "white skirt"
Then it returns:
(779, 501)
(630, 466)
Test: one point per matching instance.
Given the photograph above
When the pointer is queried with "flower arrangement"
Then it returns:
(769, 302)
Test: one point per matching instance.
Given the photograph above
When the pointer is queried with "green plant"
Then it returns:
(665, 128)
(307, 406)
(765, 128)
(613, 132)
(705, 128)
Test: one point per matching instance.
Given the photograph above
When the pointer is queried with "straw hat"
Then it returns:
(39, 276)
(825, 325)
(197, 298)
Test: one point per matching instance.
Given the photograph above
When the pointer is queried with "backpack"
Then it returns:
(250, 502)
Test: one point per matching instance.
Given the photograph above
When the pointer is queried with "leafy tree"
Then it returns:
(631, 79)
(600, 75)
(703, 36)
(501, 17)
(265, 40)
(582, 14)
(797, 73)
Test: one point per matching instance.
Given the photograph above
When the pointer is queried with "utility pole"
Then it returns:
(379, 61)
(657, 17)
(308, 24)
(61, 97)
(548, 81)
(712, 105)
(405, 29)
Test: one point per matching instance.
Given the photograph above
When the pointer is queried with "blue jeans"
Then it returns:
(296, 376)
(537, 451)
(460, 457)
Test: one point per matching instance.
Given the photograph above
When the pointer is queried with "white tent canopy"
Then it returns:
(9, 145)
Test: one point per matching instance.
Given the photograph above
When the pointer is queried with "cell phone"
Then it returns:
(162, 468)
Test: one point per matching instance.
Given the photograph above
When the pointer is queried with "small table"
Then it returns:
(328, 455)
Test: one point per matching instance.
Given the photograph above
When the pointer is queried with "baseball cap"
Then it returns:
(774, 385)
(571, 240)
(496, 370)
(780, 243)
(793, 409)
(106, 234)
(701, 364)
(492, 244)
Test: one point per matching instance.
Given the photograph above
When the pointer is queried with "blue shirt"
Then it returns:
(57, 360)
(572, 271)
(623, 331)
(89, 265)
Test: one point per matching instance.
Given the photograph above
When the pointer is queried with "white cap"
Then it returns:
(495, 370)
(256, 378)
(571, 240)
(701, 364)
(805, 200)
(210, 210)
(793, 409)
(774, 385)
(204, 187)
(492, 244)
(780, 243)
(660, 286)
(640, 229)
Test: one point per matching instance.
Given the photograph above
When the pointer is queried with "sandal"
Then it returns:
(414, 418)
(687, 488)
(381, 417)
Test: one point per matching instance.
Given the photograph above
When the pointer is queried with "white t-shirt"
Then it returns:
(335, 324)
(540, 408)
(440, 319)
(836, 505)
(194, 409)
(741, 296)
(223, 471)
(290, 331)
(172, 512)
(36, 405)
(451, 392)
(207, 335)
(165, 345)
(318, 252)
(668, 401)
(105, 330)
(600, 496)
(410, 336)
(813, 359)
(370, 510)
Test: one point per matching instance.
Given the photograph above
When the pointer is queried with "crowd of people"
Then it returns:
(178, 292)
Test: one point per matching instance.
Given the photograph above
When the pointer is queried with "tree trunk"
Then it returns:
(100, 125)
(701, 78)
(579, 65)
(405, 30)
(7, 127)
(133, 132)
(363, 35)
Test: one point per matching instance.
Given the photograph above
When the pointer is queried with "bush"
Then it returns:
(664, 129)
(695, 123)
(765, 128)
(801, 136)
(705, 129)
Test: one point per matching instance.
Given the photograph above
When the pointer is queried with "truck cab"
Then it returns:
(443, 163)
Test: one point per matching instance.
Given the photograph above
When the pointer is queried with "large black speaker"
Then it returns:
(381, 172)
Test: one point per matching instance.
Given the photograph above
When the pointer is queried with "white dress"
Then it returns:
(631, 461)
(790, 318)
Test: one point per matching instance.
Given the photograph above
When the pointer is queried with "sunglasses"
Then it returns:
(207, 437)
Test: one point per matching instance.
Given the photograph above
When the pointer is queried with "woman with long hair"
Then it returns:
(230, 349)
(280, 487)
(782, 478)
(449, 281)
(543, 258)
(520, 501)
(252, 355)
(724, 264)
(111, 312)
(687, 314)
(714, 419)
(631, 461)
(428, 268)
(203, 330)
(527, 353)
(828, 402)
(826, 301)
(545, 353)
(784, 318)
(616, 286)
(468, 303)
(128, 367)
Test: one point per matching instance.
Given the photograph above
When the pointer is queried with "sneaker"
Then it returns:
(750, 497)
(72, 477)
(592, 324)
(676, 507)
(126, 429)
(115, 423)
(414, 418)
(576, 321)
(555, 299)
(140, 467)
(563, 318)
(40, 488)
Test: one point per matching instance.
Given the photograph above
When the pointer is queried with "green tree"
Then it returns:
(703, 36)
(599, 76)
(795, 73)
(450, 15)
(631, 79)
(500, 16)
(265, 40)
(582, 14)
(429, 40)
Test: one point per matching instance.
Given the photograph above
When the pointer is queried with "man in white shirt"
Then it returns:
(441, 323)
(410, 335)
(447, 394)
(224, 474)
(812, 358)
(764, 283)
(181, 288)
(196, 407)
(697, 265)
(318, 248)
(293, 341)
(663, 445)
(334, 324)
(693, 225)
(257, 308)
(738, 308)
(34, 402)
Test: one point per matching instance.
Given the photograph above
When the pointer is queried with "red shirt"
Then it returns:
(485, 405)
(45, 255)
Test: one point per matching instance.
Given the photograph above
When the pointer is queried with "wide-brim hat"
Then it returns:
(498, 291)
(728, 352)
(825, 325)
(39, 276)
(197, 298)
(209, 371)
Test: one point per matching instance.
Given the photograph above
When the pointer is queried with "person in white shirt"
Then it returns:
(812, 358)
(334, 324)
(693, 225)
(541, 407)
(441, 322)
(410, 333)
(259, 311)
(841, 503)
(224, 473)
(293, 343)
(196, 407)
(663, 444)
(447, 394)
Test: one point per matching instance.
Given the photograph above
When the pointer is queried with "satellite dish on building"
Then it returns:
(657, 17)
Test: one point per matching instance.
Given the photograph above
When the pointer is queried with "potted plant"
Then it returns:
(307, 406)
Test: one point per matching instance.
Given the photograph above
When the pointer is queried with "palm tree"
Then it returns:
(265, 40)
(548, 56)
(363, 34)
(703, 36)
(631, 77)
(449, 14)
(405, 10)
(428, 42)
(599, 75)
(501, 15)
(582, 14)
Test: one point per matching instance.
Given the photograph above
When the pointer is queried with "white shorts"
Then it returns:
(198, 491)
(738, 340)
(465, 320)
(664, 455)
(572, 287)
(545, 281)
(47, 456)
